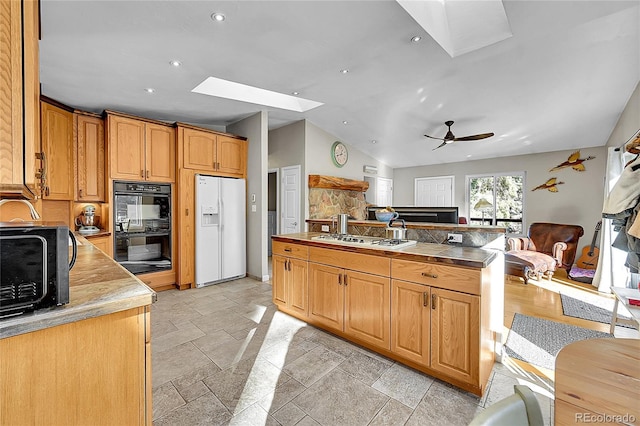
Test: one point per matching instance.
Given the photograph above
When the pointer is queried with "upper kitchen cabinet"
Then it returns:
(58, 179)
(19, 97)
(210, 151)
(90, 151)
(140, 150)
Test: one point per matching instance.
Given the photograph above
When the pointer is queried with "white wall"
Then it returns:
(255, 129)
(578, 201)
(629, 121)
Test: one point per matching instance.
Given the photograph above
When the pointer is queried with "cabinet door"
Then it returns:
(279, 281)
(298, 297)
(57, 144)
(103, 243)
(160, 153)
(410, 321)
(326, 295)
(198, 150)
(126, 147)
(19, 98)
(455, 334)
(231, 156)
(90, 157)
(367, 306)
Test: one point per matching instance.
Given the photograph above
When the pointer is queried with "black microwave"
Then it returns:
(34, 266)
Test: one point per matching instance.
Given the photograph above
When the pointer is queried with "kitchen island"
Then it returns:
(435, 307)
(86, 362)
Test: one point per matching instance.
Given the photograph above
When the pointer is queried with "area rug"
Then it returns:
(590, 307)
(538, 341)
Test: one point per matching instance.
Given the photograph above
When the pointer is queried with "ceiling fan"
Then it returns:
(450, 137)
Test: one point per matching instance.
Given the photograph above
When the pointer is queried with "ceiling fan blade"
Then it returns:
(439, 139)
(474, 137)
(441, 145)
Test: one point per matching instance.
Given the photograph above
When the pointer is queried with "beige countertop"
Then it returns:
(97, 286)
(421, 252)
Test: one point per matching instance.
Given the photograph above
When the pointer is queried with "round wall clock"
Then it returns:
(339, 154)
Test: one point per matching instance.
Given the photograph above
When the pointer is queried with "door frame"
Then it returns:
(277, 172)
(298, 168)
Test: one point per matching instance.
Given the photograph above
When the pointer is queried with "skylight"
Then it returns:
(220, 88)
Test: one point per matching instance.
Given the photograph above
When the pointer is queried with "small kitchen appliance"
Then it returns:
(88, 220)
(34, 266)
(340, 223)
(395, 232)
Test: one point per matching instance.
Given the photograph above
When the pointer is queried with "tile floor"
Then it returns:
(224, 355)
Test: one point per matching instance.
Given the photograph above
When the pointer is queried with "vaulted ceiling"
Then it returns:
(559, 82)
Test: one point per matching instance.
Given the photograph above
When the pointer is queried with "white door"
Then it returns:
(384, 192)
(434, 192)
(290, 199)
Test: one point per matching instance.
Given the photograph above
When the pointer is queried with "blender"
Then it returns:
(88, 220)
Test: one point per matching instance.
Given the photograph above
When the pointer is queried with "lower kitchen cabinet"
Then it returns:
(411, 321)
(455, 334)
(290, 278)
(90, 372)
(103, 243)
(350, 301)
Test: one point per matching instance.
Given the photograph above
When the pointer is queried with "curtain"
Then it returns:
(611, 271)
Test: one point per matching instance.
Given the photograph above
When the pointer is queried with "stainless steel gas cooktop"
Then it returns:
(365, 241)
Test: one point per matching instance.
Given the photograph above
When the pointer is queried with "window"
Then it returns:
(497, 199)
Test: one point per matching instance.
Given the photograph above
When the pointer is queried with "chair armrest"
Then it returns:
(518, 243)
(558, 251)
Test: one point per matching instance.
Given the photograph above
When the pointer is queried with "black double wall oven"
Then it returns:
(142, 226)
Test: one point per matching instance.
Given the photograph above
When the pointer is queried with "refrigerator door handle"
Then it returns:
(220, 210)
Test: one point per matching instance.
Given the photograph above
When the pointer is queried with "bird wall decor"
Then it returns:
(574, 161)
(551, 185)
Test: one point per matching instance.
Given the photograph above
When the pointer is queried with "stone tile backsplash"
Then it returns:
(325, 203)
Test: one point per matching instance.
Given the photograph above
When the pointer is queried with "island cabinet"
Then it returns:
(19, 98)
(213, 152)
(350, 293)
(290, 286)
(90, 157)
(140, 150)
(436, 319)
(58, 180)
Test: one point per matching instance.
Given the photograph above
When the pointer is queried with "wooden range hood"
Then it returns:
(332, 182)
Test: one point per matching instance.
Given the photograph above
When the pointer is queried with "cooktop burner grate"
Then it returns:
(365, 241)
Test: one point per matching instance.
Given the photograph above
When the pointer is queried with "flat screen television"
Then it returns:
(420, 214)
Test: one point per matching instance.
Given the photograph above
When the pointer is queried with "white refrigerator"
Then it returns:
(220, 229)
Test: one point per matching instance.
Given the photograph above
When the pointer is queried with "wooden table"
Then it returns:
(598, 381)
(622, 294)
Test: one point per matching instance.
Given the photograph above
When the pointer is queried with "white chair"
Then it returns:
(520, 409)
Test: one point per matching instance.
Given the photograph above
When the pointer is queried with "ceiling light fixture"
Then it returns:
(150, 90)
(416, 39)
(175, 63)
(295, 93)
(374, 141)
(345, 122)
(218, 17)
(344, 71)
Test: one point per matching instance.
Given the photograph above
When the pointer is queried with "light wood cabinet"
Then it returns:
(140, 150)
(209, 151)
(411, 321)
(19, 98)
(91, 372)
(58, 153)
(290, 271)
(103, 243)
(455, 334)
(353, 300)
(90, 157)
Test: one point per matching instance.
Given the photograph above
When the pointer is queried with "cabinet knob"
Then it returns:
(147, 176)
(80, 193)
(141, 173)
(425, 299)
(433, 301)
(339, 279)
(345, 279)
(288, 249)
(429, 275)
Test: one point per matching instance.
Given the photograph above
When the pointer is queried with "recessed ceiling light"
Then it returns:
(344, 71)
(469, 155)
(416, 39)
(345, 122)
(295, 93)
(175, 63)
(374, 141)
(150, 90)
(218, 17)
